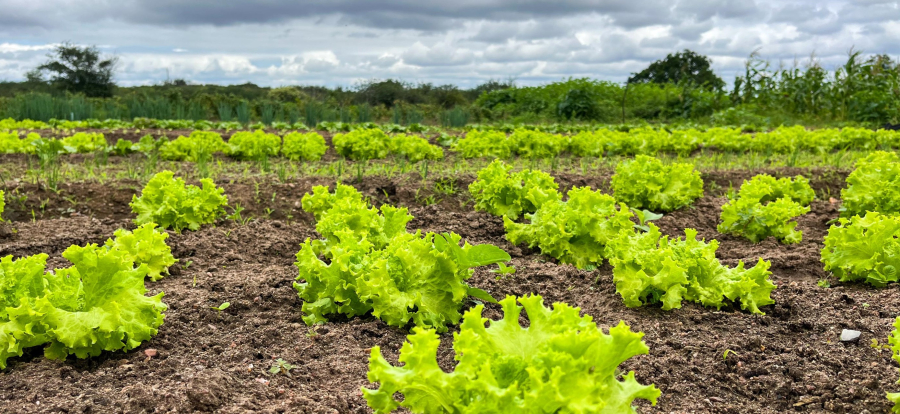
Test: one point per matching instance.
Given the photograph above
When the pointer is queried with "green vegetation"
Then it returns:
(308, 147)
(646, 182)
(764, 207)
(398, 276)
(501, 192)
(873, 186)
(864, 248)
(166, 201)
(561, 363)
(98, 304)
(575, 231)
(650, 268)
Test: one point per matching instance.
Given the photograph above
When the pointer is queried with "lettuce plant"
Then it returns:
(536, 144)
(575, 231)
(873, 186)
(501, 192)
(646, 183)
(414, 148)
(344, 214)
(10, 143)
(651, 268)
(82, 142)
(561, 363)
(894, 341)
(765, 206)
(489, 144)
(169, 203)
(97, 305)
(198, 147)
(304, 146)
(256, 146)
(145, 246)
(362, 144)
(414, 278)
(864, 248)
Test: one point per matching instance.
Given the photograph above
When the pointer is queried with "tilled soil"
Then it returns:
(789, 360)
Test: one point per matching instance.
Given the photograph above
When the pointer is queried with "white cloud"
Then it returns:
(339, 42)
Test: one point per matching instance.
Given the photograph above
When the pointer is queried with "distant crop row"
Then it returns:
(373, 143)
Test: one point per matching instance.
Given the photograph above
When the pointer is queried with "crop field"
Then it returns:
(180, 266)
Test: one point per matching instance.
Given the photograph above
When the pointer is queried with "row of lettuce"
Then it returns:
(373, 143)
(367, 262)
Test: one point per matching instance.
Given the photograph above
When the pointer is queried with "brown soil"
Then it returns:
(789, 360)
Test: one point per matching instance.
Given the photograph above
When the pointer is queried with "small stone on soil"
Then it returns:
(151, 353)
(849, 335)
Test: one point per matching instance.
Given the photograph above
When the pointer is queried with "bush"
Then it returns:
(579, 104)
(645, 182)
(502, 193)
(308, 147)
(764, 207)
(562, 362)
(166, 201)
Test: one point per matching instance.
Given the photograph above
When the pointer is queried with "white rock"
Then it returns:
(848, 335)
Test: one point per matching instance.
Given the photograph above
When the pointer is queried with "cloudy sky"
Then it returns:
(463, 42)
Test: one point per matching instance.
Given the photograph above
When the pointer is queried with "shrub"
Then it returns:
(166, 201)
(362, 144)
(308, 147)
(502, 193)
(646, 183)
(873, 186)
(650, 268)
(764, 207)
(561, 363)
(864, 248)
(575, 231)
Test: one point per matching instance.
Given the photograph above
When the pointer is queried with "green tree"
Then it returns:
(78, 70)
(682, 66)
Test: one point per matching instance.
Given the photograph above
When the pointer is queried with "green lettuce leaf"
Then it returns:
(575, 231)
(500, 192)
(645, 182)
(145, 246)
(651, 268)
(765, 206)
(561, 363)
(873, 186)
(166, 201)
(864, 249)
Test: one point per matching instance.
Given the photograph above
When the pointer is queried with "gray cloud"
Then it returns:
(340, 42)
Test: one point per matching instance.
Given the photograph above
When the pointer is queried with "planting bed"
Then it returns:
(206, 360)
